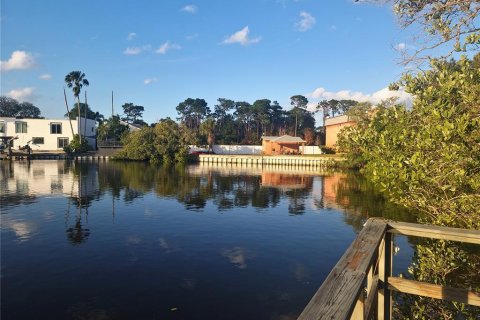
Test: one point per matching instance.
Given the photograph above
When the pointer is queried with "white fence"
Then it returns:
(238, 149)
(230, 149)
(311, 150)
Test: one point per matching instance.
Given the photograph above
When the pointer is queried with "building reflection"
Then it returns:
(226, 186)
(27, 182)
(47, 178)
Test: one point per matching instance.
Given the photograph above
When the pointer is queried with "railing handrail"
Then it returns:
(434, 232)
(360, 282)
(337, 296)
(115, 143)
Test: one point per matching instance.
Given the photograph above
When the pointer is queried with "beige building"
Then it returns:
(333, 126)
(285, 144)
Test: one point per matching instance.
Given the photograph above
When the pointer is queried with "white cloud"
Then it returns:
(46, 76)
(190, 8)
(306, 22)
(242, 38)
(131, 36)
(402, 46)
(150, 80)
(20, 60)
(375, 98)
(133, 51)
(21, 94)
(333, 27)
(167, 46)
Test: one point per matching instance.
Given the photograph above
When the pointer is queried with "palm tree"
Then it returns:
(208, 128)
(76, 80)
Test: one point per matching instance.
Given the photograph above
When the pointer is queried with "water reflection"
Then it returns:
(225, 186)
(248, 242)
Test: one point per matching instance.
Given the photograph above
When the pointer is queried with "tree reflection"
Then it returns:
(360, 200)
(348, 192)
(77, 234)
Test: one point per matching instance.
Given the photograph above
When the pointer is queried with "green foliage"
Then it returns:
(335, 107)
(76, 80)
(428, 159)
(133, 113)
(111, 129)
(76, 145)
(327, 150)
(192, 112)
(139, 145)
(10, 107)
(166, 143)
(90, 114)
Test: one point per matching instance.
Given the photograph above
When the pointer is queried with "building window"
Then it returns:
(38, 140)
(62, 142)
(55, 128)
(20, 127)
(2, 127)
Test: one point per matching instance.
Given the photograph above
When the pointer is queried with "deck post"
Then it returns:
(385, 271)
(359, 311)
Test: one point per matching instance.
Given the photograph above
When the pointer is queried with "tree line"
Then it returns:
(11, 108)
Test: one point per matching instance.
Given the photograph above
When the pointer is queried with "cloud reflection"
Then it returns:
(236, 256)
(23, 230)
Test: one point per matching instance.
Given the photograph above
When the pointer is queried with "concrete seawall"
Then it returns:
(270, 160)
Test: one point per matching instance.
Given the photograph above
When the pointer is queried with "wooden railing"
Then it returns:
(361, 283)
(109, 144)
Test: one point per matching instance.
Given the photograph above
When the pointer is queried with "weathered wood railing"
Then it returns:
(361, 283)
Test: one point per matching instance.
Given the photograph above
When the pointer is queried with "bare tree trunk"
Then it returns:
(79, 119)
(68, 111)
(296, 116)
(85, 113)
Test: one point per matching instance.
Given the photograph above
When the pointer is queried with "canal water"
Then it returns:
(113, 240)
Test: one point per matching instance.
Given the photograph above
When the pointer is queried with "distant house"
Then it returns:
(131, 127)
(45, 134)
(333, 126)
(272, 145)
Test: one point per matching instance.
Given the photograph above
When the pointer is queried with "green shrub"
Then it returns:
(77, 146)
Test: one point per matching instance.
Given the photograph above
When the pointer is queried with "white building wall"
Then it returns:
(311, 150)
(245, 150)
(48, 129)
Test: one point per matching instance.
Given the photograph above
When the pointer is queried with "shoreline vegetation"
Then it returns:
(427, 158)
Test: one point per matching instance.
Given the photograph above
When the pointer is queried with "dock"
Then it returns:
(361, 284)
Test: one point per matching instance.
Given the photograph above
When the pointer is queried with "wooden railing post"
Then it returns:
(385, 271)
(359, 311)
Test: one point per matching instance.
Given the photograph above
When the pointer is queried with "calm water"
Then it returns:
(132, 241)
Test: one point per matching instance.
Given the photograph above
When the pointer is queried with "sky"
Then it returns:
(158, 53)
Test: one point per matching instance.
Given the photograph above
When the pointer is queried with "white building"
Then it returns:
(46, 134)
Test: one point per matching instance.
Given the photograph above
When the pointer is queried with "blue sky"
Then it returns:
(158, 53)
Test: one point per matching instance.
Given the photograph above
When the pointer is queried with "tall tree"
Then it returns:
(262, 115)
(133, 113)
(84, 109)
(10, 107)
(76, 80)
(298, 102)
(207, 128)
(192, 112)
(111, 129)
(244, 114)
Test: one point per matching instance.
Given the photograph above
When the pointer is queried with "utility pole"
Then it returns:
(112, 103)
